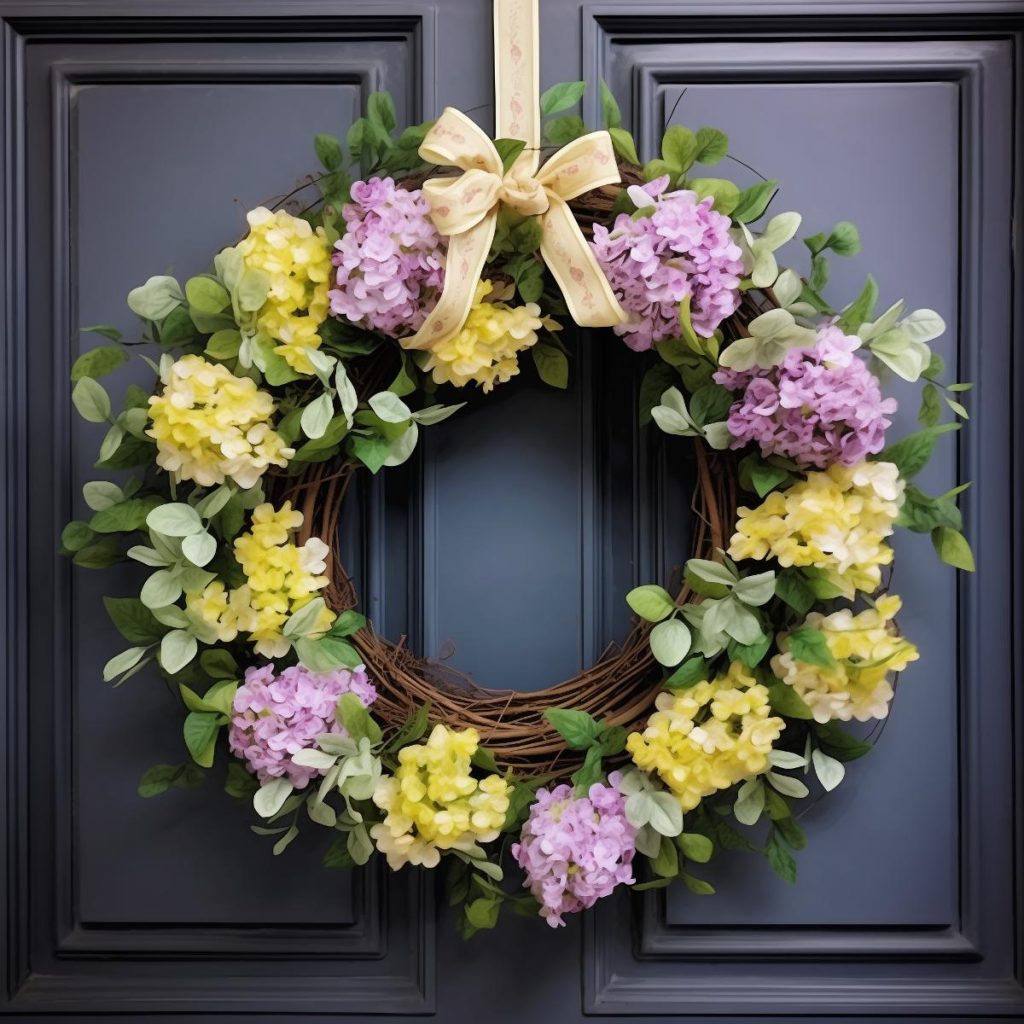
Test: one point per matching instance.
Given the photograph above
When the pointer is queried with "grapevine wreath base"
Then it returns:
(318, 346)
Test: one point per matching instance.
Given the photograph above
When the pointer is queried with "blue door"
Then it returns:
(138, 132)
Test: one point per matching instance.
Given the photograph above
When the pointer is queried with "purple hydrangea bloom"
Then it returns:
(575, 850)
(821, 406)
(652, 263)
(277, 714)
(390, 259)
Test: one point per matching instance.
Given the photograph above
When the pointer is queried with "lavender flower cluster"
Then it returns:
(389, 260)
(575, 850)
(654, 262)
(277, 714)
(821, 406)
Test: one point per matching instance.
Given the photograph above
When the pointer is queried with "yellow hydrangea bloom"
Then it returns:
(708, 737)
(297, 260)
(485, 350)
(281, 578)
(209, 424)
(433, 803)
(866, 650)
(836, 520)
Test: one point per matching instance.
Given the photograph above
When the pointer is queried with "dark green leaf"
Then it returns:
(200, 731)
(125, 516)
(695, 847)
(239, 783)
(328, 151)
(710, 404)
(861, 309)
(134, 621)
(810, 646)
(953, 548)
(563, 130)
(911, 454)
(791, 832)
(98, 362)
(509, 150)
(158, 779)
(712, 146)
(337, 855)
(76, 535)
(792, 587)
(753, 202)
(697, 885)
(380, 110)
(552, 365)
(839, 744)
(692, 671)
(780, 859)
(786, 701)
(922, 513)
(666, 864)
(656, 381)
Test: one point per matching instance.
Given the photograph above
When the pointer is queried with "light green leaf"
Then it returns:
(610, 112)
(390, 408)
(316, 416)
(651, 602)
(679, 148)
(577, 728)
(756, 590)
(177, 649)
(787, 785)
(199, 548)
(156, 298)
(175, 519)
(624, 146)
(160, 589)
(304, 621)
(749, 802)
(91, 400)
(670, 642)
(123, 662)
(269, 798)
(830, 772)
(435, 413)
(561, 97)
(101, 494)
(98, 362)
(712, 146)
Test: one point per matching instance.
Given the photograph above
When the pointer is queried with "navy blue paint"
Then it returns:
(515, 537)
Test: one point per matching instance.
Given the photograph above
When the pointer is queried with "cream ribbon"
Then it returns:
(465, 208)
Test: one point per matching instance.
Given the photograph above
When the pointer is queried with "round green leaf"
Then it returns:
(98, 361)
(651, 602)
(175, 519)
(160, 589)
(199, 548)
(670, 642)
(177, 649)
(91, 400)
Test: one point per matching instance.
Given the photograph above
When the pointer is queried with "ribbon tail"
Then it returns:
(467, 253)
(574, 266)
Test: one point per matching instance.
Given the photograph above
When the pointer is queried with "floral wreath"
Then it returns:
(317, 347)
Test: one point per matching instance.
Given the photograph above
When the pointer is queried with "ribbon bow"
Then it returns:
(465, 208)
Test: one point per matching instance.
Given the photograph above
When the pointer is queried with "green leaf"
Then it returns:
(749, 804)
(177, 649)
(175, 519)
(133, 620)
(577, 728)
(811, 647)
(206, 294)
(670, 642)
(552, 365)
(317, 416)
(158, 779)
(224, 344)
(269, 798)
(483, 911)
(791, 832)
(123, 662)
(199, 548)
(844, 239)
(692, 671)
(156, 298)
(91, 400)
(765, 478)
(861, 309)
(356, 719)
(124, 517)
(922, 513)
(380, 109)
(753, 202)
(561, 97)
(610, 112)
(930, 412)
(589, 772)
(328, 151)
(697, 885)
(160, 590)
(76, 535)
(757, 589)
(327, 654)
(658, 379)
(695, 847)
(666, 864)
(100, 555)
(786, 701)
(679, 148)
(780, 859)
(101, 494)
(200, 731)
(712, 146)
(508, 151)
(829, 770)
(953, 548)
(725, 194)
(911, 454)
(108, 331)
(840, 744)
(624, 146)
(98, 362)
(218, 664)
(793, 588)
(563, 130)
(651, 602)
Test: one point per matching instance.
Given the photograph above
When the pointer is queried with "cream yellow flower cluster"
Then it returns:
(281, 577)
(708, 737)
(297, 260)
(433, 803)
(866, 650)
(485, 349)
(209, 424)
(836, 520)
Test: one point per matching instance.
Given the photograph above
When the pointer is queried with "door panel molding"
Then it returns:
(971, 965)
(380, 959)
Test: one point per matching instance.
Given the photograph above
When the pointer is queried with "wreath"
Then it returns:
(316, 348)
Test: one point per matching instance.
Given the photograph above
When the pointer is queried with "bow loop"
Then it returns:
(465, 208)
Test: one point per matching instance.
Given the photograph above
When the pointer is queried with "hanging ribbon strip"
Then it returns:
(465, 208)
